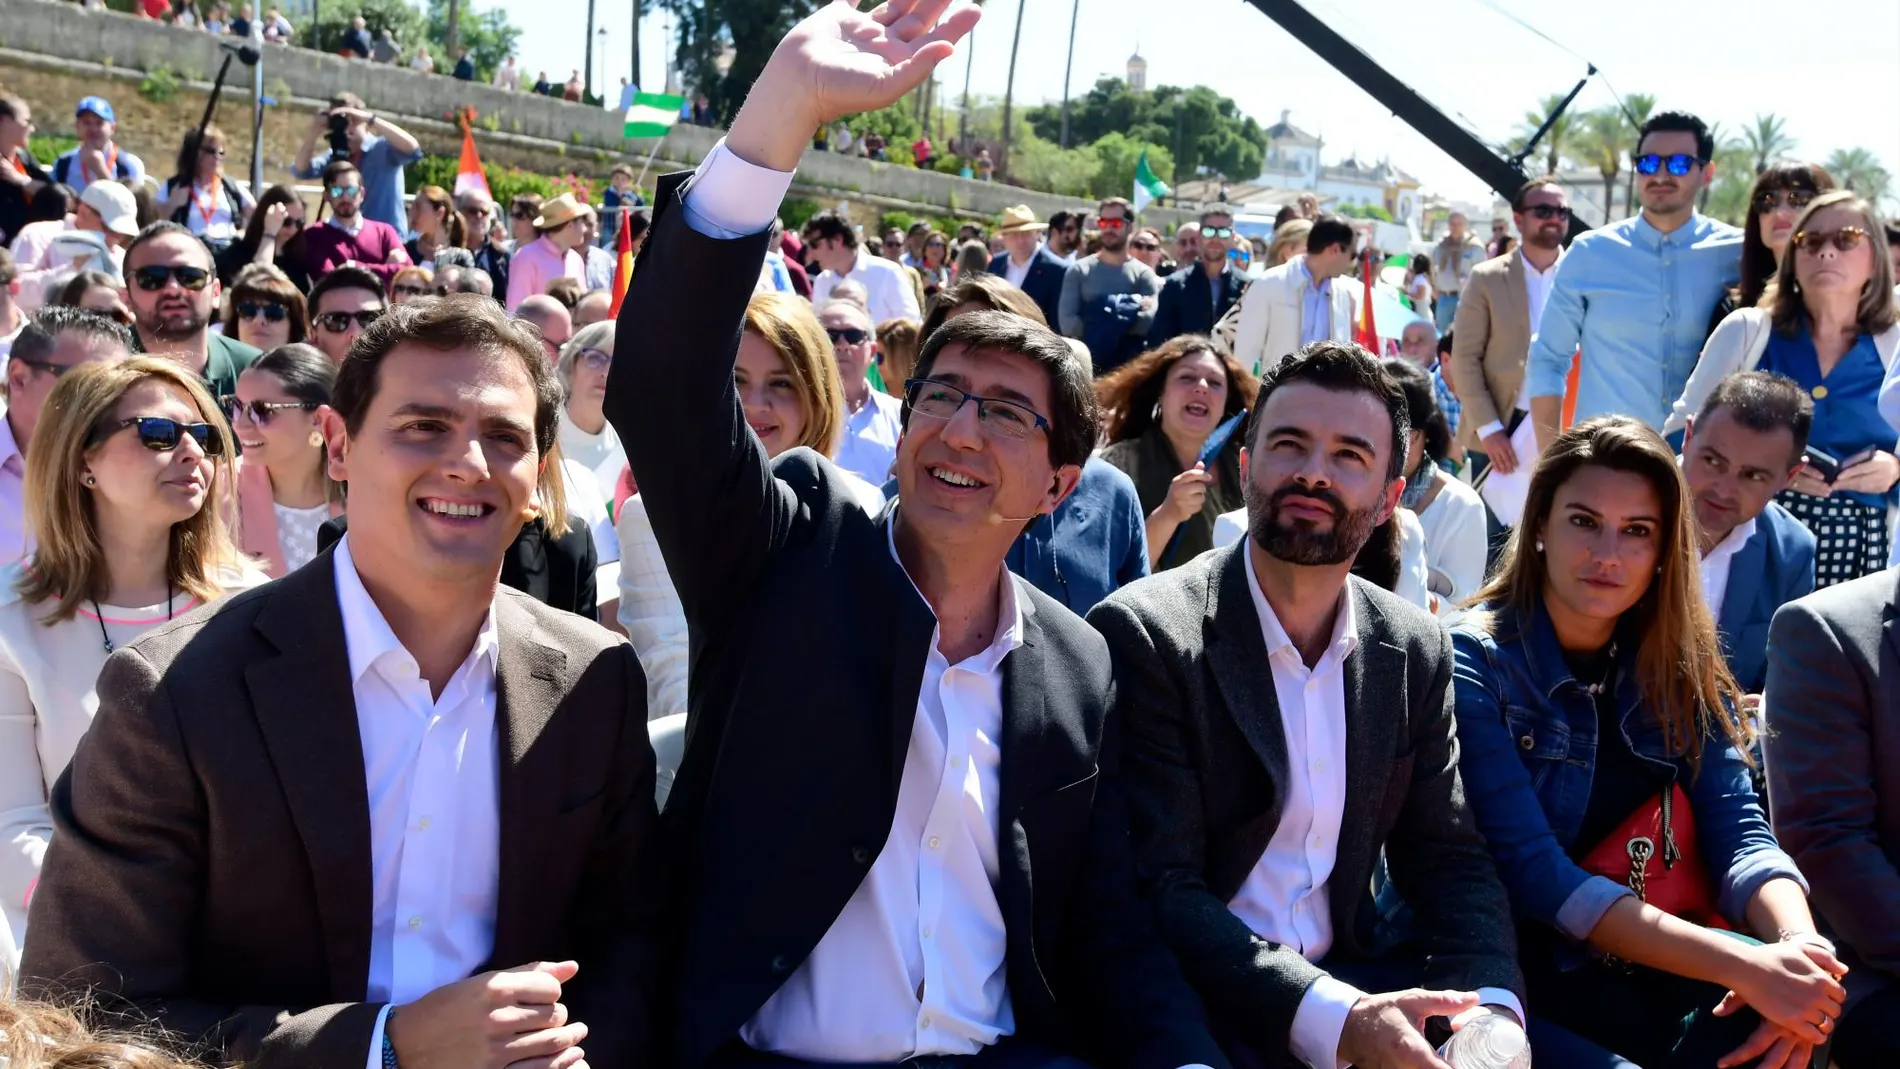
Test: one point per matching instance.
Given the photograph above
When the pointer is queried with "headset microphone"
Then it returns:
(997, 517)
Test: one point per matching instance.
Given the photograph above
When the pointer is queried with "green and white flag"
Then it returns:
(1148, 188)
(652, 114)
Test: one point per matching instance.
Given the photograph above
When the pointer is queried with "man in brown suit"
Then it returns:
(382, 809)
(1491, 335)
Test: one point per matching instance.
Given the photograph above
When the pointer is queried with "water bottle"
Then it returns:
(1491, 1041)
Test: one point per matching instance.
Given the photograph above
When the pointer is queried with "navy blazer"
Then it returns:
(1773, 568)
(1043, 283)
(1187, 306)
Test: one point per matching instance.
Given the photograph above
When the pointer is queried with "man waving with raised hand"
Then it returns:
(888, 734)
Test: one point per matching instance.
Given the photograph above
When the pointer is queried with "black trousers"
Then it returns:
(1869, 1035)
(1010, 1052)
(1612, 1017)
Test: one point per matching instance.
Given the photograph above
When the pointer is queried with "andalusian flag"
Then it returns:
(623, 263)
(653, 114)
(1147, 186)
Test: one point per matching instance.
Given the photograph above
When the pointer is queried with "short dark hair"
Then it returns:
(40, 335)
(347, 99)
(1286, 214)
(829, 224)
(1520, 199)
(453, 256)
(344, 278)
(1679, 122)
(637, 223)
(1209, 213)
(1763, 401)
(334, 169)
(1329, 230)
(163, 228)
(1073, 419)
(1893, 231)
(1060, 220)
(1128, 210)
(1342, 367)
(1421, 405)
(459, 320)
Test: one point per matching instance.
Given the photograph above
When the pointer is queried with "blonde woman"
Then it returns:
(787, 379)
(284, 489)
(129, 462)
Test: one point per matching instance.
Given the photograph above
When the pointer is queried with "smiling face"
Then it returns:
(136, 486)
(1602, 541)
(282, 441)
(1831, 270)
(768, 394)
(1193, 395)
(443, 464)
(1316, 476)
(1734, 471)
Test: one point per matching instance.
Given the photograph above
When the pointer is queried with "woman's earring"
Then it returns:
(1156, 414)
(316, 439)
(88, 481)
(1540, 545)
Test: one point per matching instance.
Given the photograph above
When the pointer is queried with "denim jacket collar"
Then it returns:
(1550, 672)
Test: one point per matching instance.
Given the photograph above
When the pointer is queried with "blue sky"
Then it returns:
(1837, 83)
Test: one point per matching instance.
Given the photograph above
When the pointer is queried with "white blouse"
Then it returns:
(297, 533)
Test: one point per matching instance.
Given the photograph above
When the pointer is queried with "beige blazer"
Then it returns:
(1270, 315)
(1490, 340)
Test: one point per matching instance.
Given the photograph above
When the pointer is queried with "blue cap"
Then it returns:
(98, 106)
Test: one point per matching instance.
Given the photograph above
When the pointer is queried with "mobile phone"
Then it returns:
(1823, 464)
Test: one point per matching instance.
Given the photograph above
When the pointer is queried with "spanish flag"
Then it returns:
(1366, 332)
(623, 261)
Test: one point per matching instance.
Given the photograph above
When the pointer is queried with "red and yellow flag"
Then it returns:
(1366, 332)
(623, 259)
(468, 172)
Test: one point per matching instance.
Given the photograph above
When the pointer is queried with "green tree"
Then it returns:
(404, 22)
(1859, 170)
(751, 27)
(898, 123)
(1202, 130)
(1119, 154)
(1767, 140)
(1731, 169)
(1606, 133)
(1047, 166)
(1562, 133)
(1637, 108)
(488, 36)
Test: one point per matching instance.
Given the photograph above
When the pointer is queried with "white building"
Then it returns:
(1293, 162)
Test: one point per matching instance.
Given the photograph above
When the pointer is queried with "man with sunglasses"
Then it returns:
(53, 341)
(1635, 295)
(1491, 334)
(1194, 298)
(1108, 299)
(899, 821)
(172, 286)
(477, 210)
(1065, 238)
(874, 420)
(343, 304)
(378, 148)
(551, 321)
(349, 238)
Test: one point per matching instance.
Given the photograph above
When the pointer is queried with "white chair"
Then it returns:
(668, 735)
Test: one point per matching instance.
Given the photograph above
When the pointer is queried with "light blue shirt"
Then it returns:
(1316, 308)
(1637, 300)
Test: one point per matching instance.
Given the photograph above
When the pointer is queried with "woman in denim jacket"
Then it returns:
(1588, 681)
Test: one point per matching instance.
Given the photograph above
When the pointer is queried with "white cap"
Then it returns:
(115, 206)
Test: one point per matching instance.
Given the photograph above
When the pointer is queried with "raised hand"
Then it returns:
(841, 61)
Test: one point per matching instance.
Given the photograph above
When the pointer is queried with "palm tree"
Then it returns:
(1009, 92)
(1767, 140)
(1604, 135)
(1731, 161)
(1859, 170)
(1556, 139)
(1637, 107)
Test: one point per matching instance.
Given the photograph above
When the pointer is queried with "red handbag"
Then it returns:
(1654, 851)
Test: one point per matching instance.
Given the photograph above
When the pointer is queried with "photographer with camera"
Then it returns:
(379, 148)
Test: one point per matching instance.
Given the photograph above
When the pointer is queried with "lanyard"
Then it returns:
(205, 212)
(112, 165)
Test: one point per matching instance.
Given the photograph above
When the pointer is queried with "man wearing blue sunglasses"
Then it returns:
(1635, 295)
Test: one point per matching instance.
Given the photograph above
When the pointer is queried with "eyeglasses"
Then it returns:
(1845, 239)
(212, 150)
(1111, 224)
(520, 215)
(1217, 231)
(1771, 200)
(260, 412)
(153, 278)
(848, 335)
(1144, 246)
(595, 359)
(472, 213)
(409, 290)
(161, 435)
(893, 243)
(1679, 163)
(272, 311)
(933, 245)
(1548, 212)
(345, 191)
(938, 400)
(55, 370)
(339, 322)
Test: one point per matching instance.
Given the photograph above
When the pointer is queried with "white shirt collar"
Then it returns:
(350, 230)
(1736, 539)
(1009, 613)
(1531, 268)
(1345, 622)
(367, 634)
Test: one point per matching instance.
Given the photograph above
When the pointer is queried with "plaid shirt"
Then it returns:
(1447, 402)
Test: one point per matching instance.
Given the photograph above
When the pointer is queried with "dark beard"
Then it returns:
(1300, 542)
(194, 325)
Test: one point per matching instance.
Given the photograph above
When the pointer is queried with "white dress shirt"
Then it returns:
(1715, 566)
(16, 538)
(431, 768)
(869, 447)
(914, 965)
(886, 284)
(1015, 272)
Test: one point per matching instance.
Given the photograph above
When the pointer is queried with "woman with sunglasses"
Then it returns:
(935, 269)
(263, 309)
(1828, 322)
(95, 291)
(284, 490)
(129, 463)
(1604, 759)
(200, 197)
(1778, 195)
(787, 380)
(274, 236)
(586, 436)
(409, 283)
(433, 219)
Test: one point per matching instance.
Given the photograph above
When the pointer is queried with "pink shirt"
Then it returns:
(538, 263)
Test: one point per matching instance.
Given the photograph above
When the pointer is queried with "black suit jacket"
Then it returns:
(1043, 283)
(210, 863)
(808, 647)
(1186, 305)
(1207, 758)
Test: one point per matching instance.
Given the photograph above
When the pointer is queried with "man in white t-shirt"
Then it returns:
(833, 242)
(874, 420)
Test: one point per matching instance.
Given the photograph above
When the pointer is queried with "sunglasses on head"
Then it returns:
(260, 412)
(1548, 212)
(1845, 239)
(345, 191)
(1769, 200)
(848, 335)
(161, 435)
(1679, 163)
(339, 322)
(408, 289)
(153, 278)
(272, 311)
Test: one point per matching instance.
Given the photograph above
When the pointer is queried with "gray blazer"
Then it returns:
(1833, 756)
(1205, 760)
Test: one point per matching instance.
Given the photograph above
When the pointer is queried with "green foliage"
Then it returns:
(1119, 154)
(488, 36)
(160, 85)
(504, 182)
(946, 164)
(1043, 165)
(898, 123)
(47, 148)
(752, 27)
(797, 211)
(1859, 170)
(895, 221)
(1199, 127)
(404, 22)
(1364, 211)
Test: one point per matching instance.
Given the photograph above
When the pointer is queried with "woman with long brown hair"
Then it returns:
(125, 488)
(1158, 411)
(1602, 751)
(200, 197)
(274, 236)
(433, 218)
(264, 309)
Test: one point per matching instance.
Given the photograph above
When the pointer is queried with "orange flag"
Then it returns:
(1366, 332)
(468, 172)
(623, 259)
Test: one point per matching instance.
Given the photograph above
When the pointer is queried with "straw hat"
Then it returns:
(1018, 219)
(560, 211)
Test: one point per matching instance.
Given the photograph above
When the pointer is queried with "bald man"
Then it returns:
(596, 306)
(550, 317)
(874, 419)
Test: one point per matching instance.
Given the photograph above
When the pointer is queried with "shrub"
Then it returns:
(796, 212)
(160, 85)
(895, 221)
(46, 148)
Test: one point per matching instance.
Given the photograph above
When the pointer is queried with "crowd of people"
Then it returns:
(1031, 649)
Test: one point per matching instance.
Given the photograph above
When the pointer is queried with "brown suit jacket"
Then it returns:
(1490, 341)
(210, 863)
